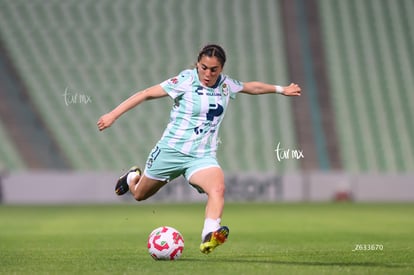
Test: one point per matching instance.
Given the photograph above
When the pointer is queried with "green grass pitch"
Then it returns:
(280, 238)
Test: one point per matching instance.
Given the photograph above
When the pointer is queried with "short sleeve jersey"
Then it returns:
(197, 112)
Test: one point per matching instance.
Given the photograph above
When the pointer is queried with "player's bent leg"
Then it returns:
(122, 186)
(139, 185)
(144, 187)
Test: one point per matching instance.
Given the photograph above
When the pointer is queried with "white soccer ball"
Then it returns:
(165, 243)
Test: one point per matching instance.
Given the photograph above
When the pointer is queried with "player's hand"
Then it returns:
(292, 90)
(105, 121)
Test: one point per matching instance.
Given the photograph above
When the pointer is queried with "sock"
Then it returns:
(130, 176)
(210, 225)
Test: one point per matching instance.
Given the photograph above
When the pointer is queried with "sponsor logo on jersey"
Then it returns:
(209, 92)
(173, 80)
(199, 90)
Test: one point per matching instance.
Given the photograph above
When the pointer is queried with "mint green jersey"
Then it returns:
(197, 113)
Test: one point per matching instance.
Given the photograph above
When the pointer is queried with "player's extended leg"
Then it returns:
(211, 180)
(139, 185)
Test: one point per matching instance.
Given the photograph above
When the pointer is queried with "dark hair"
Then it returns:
(211, 50)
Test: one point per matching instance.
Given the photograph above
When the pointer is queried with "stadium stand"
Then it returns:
(369, 52)
(24, 126)
(79, 59)
(10, 159)
(312, 112)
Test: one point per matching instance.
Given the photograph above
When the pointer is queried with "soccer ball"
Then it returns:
(165, 243)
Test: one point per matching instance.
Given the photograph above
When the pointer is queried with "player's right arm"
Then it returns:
(108, 119)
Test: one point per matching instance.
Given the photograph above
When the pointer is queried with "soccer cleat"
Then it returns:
(214, 239)
(121, 186)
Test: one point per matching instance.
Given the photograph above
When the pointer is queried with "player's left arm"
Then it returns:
(258, 88)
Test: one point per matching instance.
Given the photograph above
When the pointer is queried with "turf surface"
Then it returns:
(264, 239)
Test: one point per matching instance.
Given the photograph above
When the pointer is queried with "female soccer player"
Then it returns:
(189, 143)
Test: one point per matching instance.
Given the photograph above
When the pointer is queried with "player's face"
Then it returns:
(209, 69)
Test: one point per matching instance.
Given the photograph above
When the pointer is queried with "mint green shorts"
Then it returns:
(166, 164)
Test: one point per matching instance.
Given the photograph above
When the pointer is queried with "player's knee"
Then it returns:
(141, 194)
(146, 188)
(140, 197)
(218, 190)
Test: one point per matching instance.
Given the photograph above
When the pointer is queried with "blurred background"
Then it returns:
(65, 63)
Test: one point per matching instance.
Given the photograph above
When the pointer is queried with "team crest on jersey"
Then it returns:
(225, 89)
